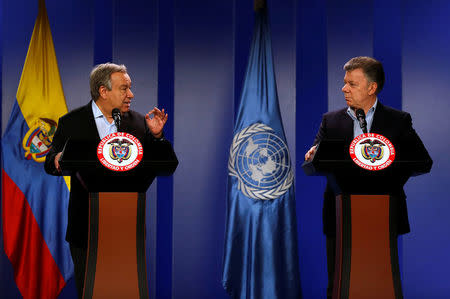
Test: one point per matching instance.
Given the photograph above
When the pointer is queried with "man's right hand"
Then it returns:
(310, 154)
(58, 155)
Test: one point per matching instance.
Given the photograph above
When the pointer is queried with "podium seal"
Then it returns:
(120, 151)
(372, 151)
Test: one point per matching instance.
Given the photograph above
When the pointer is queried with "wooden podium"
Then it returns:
(116, 259)
(367, 204)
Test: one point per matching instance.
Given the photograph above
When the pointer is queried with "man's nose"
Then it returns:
(345, 88)
(130, 94)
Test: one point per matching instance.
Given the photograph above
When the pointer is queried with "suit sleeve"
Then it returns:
(322, 131)
(411, 146)
(159, 148)
(57, 146)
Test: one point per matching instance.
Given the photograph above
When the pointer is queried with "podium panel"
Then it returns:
(116, 266)
(367, 253)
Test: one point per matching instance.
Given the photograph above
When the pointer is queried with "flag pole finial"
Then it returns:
(41, 6)
(259, 5)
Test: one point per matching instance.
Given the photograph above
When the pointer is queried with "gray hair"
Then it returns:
(101, 76)
(372, 69)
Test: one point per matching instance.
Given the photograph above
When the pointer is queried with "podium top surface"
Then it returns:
(79, 158)
(332, 156)
(332, 159)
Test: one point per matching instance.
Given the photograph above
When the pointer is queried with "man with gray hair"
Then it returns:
(363, 80)
(110, 87)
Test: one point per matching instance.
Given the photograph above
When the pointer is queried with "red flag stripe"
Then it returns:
(34, 267)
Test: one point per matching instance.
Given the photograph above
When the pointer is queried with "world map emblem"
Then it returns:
(120, 151)
(259, 159)
(38, 139)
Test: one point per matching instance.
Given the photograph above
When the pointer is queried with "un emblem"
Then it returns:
(260, 160)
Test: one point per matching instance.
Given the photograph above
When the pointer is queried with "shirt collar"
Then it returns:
(351, 112)
(96, 111)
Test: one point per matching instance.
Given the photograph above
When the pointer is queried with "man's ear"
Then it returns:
(372, 88)
(102, 91)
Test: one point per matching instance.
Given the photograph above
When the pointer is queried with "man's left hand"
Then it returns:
(157, 122)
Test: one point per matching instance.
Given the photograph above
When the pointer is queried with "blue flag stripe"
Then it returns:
(41, 190)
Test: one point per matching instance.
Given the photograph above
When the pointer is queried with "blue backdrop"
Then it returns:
(190, 56)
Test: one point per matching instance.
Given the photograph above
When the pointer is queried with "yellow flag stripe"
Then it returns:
(40, 93)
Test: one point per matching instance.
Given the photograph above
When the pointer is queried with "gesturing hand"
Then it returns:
(57, 166)
(157, 122)
(310, 154)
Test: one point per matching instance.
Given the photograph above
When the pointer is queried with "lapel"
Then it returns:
(91, 130)
(125, 125)
(377, 122)
(132, 125)
(347, 125)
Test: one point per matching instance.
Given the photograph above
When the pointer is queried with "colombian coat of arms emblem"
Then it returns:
(372, 151)
(38, 139)
(120, 151)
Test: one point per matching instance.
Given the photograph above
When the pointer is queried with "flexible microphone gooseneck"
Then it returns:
(117, 118)
(361, 116)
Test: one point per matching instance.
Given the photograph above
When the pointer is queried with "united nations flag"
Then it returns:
(260, 256)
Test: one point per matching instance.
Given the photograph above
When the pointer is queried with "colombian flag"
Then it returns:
(34, 204)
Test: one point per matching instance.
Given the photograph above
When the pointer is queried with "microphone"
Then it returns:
(117, 118)
(361, 116)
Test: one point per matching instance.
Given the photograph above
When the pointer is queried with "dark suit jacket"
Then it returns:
(395, 125)
(79, 124)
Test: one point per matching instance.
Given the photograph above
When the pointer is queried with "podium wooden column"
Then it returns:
(366, 248)
(116, 264)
